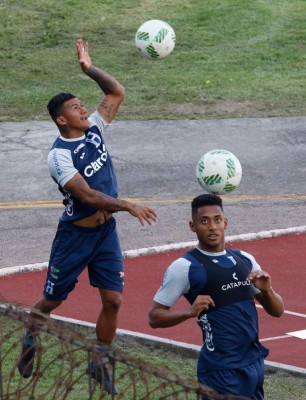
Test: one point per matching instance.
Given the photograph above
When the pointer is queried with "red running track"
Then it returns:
(283, 257)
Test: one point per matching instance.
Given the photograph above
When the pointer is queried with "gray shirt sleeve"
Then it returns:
(61, 166)
(255, 267)
(175, 283)
(97, 119)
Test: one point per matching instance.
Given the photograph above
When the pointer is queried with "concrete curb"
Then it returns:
(181, 348)
(167, 248)
(184, 349)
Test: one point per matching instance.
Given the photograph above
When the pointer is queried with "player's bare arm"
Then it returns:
(79, 188)
(268, 298)
(161, 316)
(114, 91)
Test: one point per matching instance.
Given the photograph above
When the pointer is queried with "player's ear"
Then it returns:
(60, 120)
(192, 226)
(225, 223)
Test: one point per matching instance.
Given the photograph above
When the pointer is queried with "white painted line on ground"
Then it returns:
(299, 334)
(274, 338)
(295, 314)
(6, 271)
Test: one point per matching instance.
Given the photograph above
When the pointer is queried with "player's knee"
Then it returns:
(45, 306)
(112, 305)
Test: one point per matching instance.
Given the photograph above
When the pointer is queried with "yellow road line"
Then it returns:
(229, 199)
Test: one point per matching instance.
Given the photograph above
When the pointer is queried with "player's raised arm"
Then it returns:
(113, 90)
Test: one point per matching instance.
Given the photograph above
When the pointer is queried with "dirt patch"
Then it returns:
(209, 110)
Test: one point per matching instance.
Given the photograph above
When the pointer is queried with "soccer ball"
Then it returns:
(219, 172)
(155, 39)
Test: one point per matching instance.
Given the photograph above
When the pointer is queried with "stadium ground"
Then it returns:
(155, 161)
(282, 257)
(272, 194)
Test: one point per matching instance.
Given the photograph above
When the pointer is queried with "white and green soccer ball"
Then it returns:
(219, 172)
(155, 39)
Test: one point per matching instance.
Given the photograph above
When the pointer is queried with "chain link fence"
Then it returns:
(61, 361)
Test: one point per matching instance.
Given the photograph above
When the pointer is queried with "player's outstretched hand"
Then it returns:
(261, 280)
(83, 54)
(144, 214)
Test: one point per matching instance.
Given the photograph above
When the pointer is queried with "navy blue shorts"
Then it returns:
(74, 248)
(245, 381)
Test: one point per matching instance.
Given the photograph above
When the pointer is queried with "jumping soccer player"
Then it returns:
(81, 166)
(220, 284)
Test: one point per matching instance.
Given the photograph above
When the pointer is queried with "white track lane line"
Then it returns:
(295, 314)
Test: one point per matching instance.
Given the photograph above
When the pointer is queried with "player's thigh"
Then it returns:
(222, 381)
(245, 381)
(106, 270)
(70, 254)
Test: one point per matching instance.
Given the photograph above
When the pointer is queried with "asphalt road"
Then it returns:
(155, 163)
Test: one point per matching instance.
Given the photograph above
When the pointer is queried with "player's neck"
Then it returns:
(72, 133)
(211, 248)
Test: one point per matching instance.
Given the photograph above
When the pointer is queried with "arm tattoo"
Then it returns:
(107, 106)
(81, 182)
(97, 199)
(106, 82)
(110, 203)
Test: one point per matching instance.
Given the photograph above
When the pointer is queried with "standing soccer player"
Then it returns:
(81, 166)
(220, 284)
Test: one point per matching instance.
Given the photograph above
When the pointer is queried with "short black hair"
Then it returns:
(205, 200)
(55, 104)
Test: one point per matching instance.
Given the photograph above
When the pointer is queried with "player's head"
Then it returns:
(205, 200)
(208, 222)
(68, 112)
(55, 105)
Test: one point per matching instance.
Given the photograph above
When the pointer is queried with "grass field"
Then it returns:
(279, 384)
(233, 58)
(62, 362)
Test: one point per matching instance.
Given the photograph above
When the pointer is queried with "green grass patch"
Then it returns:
(232, 57)
(61, 364)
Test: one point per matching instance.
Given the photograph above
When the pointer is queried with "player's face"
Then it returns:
(74, 115)
(209, 224)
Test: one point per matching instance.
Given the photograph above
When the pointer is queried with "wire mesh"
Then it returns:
(61, 367)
